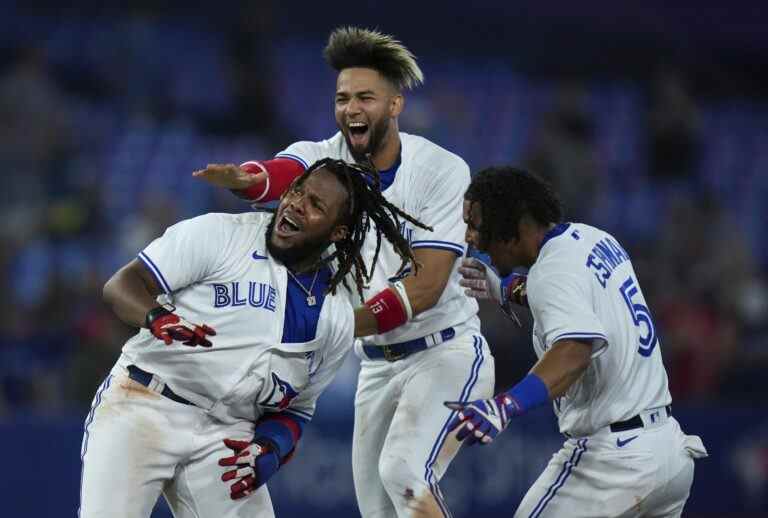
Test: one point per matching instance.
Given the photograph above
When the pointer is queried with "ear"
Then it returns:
(339, 232)
(396, 105)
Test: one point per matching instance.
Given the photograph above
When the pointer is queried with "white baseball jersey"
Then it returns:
(267, 354)
(427, 184)
(583, 286)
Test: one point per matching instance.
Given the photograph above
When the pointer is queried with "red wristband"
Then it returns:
(387, 309)
(280, 173)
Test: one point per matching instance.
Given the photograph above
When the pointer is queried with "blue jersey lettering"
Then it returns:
(260, 295)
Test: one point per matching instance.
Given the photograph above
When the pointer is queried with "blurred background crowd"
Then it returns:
(650, 126)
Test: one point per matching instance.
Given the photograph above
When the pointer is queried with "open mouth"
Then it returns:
(287, 226)
(358, 132)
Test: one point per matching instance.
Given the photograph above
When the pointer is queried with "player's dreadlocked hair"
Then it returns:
(364, 204)
(505, 195)
(355, 47)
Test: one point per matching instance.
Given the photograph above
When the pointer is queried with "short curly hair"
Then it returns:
(505, 194)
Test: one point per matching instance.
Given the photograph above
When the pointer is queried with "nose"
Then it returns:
(352, 107)
(296, 203)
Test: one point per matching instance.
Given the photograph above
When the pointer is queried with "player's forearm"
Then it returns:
(129, 297)
(419, 297)
(365, 322)
(416, 293)
(424, 290)
(563, 365)
(425, 286)
(279, 173)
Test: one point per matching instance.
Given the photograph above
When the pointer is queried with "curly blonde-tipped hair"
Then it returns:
(356, 47)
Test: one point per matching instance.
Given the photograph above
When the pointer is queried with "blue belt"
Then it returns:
(145, 378)
(398, 351)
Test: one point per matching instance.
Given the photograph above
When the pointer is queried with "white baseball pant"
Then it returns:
(643, 472)
(138, 444)
(401, 448)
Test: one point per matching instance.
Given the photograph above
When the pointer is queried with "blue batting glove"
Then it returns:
(483, 419)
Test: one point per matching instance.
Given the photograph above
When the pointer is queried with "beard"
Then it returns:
(297, 253)
(376, 135)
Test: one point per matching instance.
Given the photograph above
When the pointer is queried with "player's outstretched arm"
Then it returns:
(258, 181)
(559, 368)
(230, 176)
(132, 294)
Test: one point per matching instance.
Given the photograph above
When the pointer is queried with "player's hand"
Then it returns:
(169, 327)
(231, 176)
(483, 419)
(253, 463)
(483, 283)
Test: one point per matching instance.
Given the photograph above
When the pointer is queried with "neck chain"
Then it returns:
(311, 300)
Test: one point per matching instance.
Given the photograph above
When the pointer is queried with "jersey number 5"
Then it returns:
(640, 316)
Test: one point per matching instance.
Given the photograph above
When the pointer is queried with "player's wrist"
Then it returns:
(388, 310)
(280, 433)
(157, 313)
(529, 393)
(267, 445)
(513, 289)
(258, 191)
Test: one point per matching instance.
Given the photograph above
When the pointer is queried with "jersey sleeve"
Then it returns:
(186, 253)
(339, 342)
(562, 308)
(442, 211)
(305, 153)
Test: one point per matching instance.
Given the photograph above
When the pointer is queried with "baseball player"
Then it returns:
(599, 358)
(422, 341)
(254, 298)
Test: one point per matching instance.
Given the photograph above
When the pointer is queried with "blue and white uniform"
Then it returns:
(399, 445)
(272, 353)
(625, 454)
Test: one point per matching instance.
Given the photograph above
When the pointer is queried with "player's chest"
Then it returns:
(255, 287)
(254, 303)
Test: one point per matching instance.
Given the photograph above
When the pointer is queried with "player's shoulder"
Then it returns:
(426, 155)
(561, 250)
(309, 151)
(234, 220)
(219, 224)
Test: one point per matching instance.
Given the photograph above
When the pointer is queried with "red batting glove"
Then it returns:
(254, 464)
(168, 326)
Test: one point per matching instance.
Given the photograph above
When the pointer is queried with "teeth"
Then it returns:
(357, 124)
(291, 222)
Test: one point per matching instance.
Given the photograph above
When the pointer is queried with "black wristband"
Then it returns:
(153, 314)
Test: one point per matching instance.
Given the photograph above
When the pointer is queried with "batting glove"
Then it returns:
(168, 326)
(254, 463)
(483, 419)
(483, 283)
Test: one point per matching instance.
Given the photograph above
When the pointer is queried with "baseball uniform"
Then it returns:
(625, 454)
(399, 448)
(157, 422)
